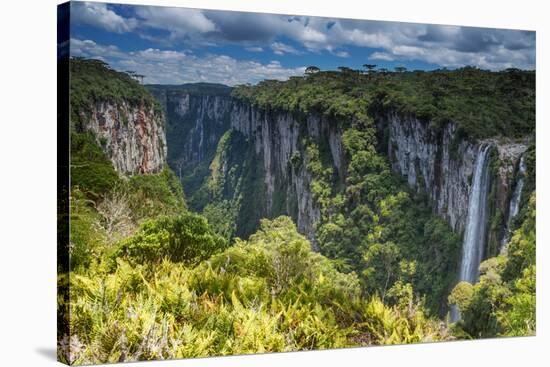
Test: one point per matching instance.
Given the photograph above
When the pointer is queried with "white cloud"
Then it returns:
(98, 15)
(497, 59)
(90, 49)
(392, 41)
(177, 67)
(381, 56)
(280, 48)
(180, 22)
(254, 49)
(342, 53)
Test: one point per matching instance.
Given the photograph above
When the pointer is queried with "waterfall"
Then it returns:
(475, 232)
(514, 203)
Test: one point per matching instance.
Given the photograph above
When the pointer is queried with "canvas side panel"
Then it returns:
(63, 181)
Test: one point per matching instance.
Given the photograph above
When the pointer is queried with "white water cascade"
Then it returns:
(514, 203)
(475, 232)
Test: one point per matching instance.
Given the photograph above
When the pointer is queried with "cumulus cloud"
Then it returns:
(90, 49)
(384, 56)
(100, 16)
(179, 22)
(177, 67)
(280, 48)
(450, 46)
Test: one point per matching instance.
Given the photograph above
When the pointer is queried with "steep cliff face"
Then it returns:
(427, 161)
(132, 136)
(440, 164)
(197, 116)
(279, 141)
(435, 162)
(207, 118)
(195, 126)
(508, 172)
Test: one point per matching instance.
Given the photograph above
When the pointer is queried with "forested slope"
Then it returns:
(151, 278)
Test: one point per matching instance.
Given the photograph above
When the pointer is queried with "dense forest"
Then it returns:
(483, 103)
(167, 264)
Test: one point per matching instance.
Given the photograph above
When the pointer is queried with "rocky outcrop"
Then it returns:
(132, 136)
(278, 138)
(196, 123)
(509, 157)
(440, 163)
(433, 163)
(208, 117)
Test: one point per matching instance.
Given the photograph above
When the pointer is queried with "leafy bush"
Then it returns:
(185, 238)
(87, 238)
(155, 195)
(271, 293)
(91, 170)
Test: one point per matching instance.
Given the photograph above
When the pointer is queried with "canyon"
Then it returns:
(254, 163)
(438, 164)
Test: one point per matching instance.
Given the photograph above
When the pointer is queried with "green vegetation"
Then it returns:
(151, 279)
(94, 81)
(270, 293)
(373, 224)
(91, 170)
(99, 220)
(375, 227)
(482, 103)
(229, 194)
(155, 195)
(186, 238)
(105, 206)
(503, 302)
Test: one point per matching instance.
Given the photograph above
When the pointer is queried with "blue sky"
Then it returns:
(179, 45)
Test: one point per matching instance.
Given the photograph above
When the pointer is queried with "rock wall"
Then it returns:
(195, 125)
(277, 138)
(440, 164)
(197, 122)
(133, 137)
(207, 116)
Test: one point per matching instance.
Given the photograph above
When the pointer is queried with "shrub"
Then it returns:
(91, 171)
(155, 195)
(87, 238)
(185, 238)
